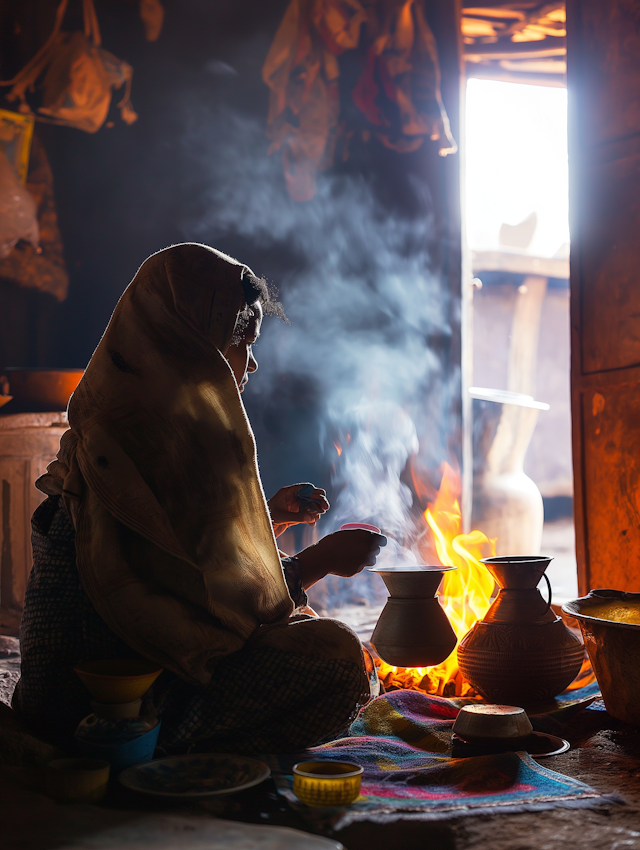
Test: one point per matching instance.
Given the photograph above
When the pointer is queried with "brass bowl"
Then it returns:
(38, 390)
(610, 623)
(327, 783)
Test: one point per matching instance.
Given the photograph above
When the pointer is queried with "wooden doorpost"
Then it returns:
(604, 167)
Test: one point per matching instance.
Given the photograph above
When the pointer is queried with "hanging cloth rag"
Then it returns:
(301, 69)
(399, 87)
(398, 90)
(78, 76)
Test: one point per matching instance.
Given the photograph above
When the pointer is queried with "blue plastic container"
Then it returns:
(122, 755)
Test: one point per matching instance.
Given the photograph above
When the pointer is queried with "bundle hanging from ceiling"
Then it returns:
(397, 93)
(77, 76)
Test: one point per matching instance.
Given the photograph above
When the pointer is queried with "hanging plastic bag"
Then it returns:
(18, 213)
(78, 76)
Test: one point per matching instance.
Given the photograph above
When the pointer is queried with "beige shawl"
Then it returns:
(173, 536)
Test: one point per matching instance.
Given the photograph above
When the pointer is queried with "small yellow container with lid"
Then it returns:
(327, 783)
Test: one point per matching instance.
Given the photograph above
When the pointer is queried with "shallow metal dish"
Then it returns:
(203, 775)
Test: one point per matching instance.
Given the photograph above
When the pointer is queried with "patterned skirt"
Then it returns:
(281, 693)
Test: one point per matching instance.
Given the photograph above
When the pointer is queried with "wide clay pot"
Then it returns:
(610, 623)
(38, 390)
(521, 653)
(413, 630)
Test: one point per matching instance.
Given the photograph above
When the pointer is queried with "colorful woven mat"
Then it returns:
(402, 740)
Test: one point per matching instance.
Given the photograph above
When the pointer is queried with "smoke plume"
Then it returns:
(369, 323)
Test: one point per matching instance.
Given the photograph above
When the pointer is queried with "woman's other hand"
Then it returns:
(343, 553)
(287, 508)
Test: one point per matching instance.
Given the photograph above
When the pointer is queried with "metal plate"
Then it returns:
(201, 775)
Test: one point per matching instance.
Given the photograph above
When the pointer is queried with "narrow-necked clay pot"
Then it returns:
(413, 630)
(521, 653)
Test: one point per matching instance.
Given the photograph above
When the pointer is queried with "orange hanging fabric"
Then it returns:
(78, 76)
(398, 90)
(401, 77)
(301, 69)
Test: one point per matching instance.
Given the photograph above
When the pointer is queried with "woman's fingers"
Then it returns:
(320, 496)
(373, 554)
(298, 503)
(310, 498)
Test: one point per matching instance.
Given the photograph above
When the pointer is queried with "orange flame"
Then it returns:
(338, 448)
(466, 592)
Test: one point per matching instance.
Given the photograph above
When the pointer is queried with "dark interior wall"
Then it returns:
(369, 270)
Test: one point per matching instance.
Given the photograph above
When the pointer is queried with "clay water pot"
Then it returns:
(413, 630)
(521, 653)
(506, 503)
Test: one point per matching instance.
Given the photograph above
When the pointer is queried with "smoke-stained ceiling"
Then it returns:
(516, 42)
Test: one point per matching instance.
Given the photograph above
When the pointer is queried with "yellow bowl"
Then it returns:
(327, 783)
(118, 680)
(77, 780)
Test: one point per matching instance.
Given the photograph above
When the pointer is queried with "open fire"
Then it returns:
(466, 592)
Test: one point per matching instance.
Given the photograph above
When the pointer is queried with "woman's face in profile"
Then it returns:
(240, 354)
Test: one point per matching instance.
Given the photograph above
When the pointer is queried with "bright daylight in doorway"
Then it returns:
(516, 164)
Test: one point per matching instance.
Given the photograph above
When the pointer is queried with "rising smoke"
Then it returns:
(368, 324)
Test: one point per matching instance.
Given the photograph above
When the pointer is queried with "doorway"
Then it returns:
(517, 230)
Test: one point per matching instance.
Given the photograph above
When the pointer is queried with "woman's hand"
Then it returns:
(287, 509)
(343, 553)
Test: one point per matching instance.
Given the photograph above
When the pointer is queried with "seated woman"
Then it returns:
(156, 539)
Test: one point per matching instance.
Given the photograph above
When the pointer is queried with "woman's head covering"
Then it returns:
(174, 541)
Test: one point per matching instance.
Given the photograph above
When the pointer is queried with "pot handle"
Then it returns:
(546, 578)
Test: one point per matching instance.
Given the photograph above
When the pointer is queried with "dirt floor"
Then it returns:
(608, 759)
